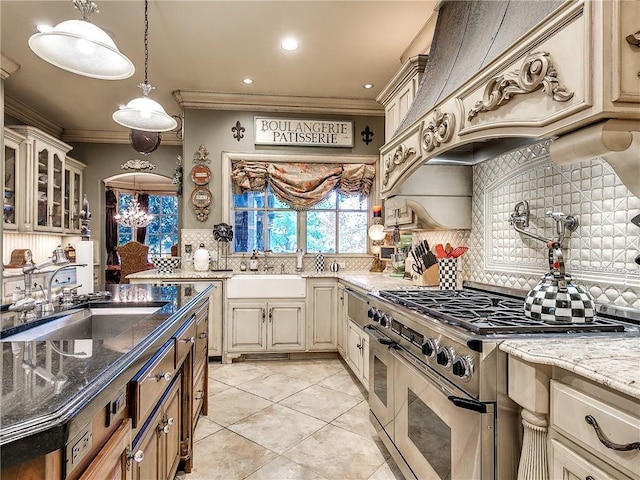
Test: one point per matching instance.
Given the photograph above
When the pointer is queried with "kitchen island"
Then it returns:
(580, 399)
(63, 398)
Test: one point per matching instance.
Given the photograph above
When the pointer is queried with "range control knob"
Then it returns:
(430, 347)
(463, 367)
(444, 357)
(372, 312)
(385, 320)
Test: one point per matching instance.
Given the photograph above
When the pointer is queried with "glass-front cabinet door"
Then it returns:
(72, 195)
(12, 162)
(44, 181)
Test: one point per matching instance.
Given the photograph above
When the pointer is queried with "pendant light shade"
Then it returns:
(142, 113)
(80, 47)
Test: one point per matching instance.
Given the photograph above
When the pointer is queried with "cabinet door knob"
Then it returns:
(263, 314)
(138, 456)
(164, 376)
(270, 314)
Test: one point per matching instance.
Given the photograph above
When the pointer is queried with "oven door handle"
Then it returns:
(373, 332)
(471, 404)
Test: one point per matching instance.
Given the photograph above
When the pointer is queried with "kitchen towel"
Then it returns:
(447, 273)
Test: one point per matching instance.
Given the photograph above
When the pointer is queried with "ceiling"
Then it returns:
(210, 46)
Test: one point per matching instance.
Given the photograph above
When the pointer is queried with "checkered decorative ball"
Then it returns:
(319, 262)
(165, 264)
(447, 273)
(552, 303)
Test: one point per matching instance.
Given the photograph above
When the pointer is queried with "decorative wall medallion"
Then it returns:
(367, 135)
(238, 131)
(201, 156)
(201, 199)
(439, 130)
(537, 73)
(401, 155)
(200, 174)
(136, 164)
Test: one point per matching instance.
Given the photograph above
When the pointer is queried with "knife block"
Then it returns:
(429, 277)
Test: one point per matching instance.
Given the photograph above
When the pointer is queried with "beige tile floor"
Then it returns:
(288, 420)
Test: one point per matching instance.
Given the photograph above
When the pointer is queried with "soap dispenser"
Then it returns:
(201, 259)
(253, 262)
(243, 264)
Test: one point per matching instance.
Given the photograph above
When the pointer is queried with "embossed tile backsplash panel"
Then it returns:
(599, 254)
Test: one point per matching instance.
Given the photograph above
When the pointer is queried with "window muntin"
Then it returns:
(338, 224)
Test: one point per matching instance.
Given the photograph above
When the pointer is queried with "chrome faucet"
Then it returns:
(48, 306)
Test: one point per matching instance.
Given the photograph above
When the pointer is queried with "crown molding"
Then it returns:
(110, 136)
(415, 65)
(201, 100)
(29, 116)
(8, 66)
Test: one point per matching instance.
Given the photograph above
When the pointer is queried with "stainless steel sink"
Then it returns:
(86, 323)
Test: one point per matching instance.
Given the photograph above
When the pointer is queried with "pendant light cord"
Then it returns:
(146, 39)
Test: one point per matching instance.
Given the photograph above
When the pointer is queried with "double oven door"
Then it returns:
(437, 432)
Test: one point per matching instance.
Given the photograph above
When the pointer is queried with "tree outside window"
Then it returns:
(262, 222)
(162, 232)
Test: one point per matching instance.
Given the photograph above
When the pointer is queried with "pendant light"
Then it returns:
(81, 47)
(142, 113)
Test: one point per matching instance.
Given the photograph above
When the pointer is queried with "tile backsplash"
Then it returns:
(599, 253)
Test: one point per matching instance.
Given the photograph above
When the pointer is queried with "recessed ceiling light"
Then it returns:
(247, 81)
(289, 44)
(367, 85)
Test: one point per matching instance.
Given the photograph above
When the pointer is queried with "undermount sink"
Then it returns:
(266, 286)
(87, 323)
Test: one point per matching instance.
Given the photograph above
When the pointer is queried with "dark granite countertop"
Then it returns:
(52, 388)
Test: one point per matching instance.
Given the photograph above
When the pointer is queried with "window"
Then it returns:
(162, 232)
(260, 221)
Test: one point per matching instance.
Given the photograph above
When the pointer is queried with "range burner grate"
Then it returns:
(486, 313)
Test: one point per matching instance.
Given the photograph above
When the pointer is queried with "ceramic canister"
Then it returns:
(201, 259)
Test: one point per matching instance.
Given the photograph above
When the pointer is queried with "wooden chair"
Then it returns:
(133, 259)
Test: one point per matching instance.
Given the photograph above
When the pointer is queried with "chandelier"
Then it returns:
(133, 216)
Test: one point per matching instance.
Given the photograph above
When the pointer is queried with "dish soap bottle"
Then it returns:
(243, 264)
(201, 259)
(253, 262)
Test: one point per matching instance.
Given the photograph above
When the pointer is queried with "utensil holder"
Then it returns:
(429, 277)
(447, 273)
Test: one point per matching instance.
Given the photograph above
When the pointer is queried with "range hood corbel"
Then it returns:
(617, 141)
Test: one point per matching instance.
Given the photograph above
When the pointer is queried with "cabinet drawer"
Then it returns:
(185, 338)
(202, 332)
(570, 407)
(198, 392)
(151, 381)
(566, 463)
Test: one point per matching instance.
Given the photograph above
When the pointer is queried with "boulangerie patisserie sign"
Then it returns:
(297, 131)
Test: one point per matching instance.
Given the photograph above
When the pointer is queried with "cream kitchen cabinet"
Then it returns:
(322, 304)
(265, 326)
(357, 354)
(13, 174)
(72, 195)
(44, 183)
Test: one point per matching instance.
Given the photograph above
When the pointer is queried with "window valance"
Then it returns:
(302, 185)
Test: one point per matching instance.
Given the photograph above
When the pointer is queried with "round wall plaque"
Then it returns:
(201, 197)
(200, 174)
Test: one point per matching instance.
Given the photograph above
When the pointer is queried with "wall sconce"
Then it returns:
(376, 234)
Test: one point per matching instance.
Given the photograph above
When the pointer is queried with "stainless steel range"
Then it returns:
(438, 381)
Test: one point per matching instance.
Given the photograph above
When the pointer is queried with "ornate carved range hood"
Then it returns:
(501, 74)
